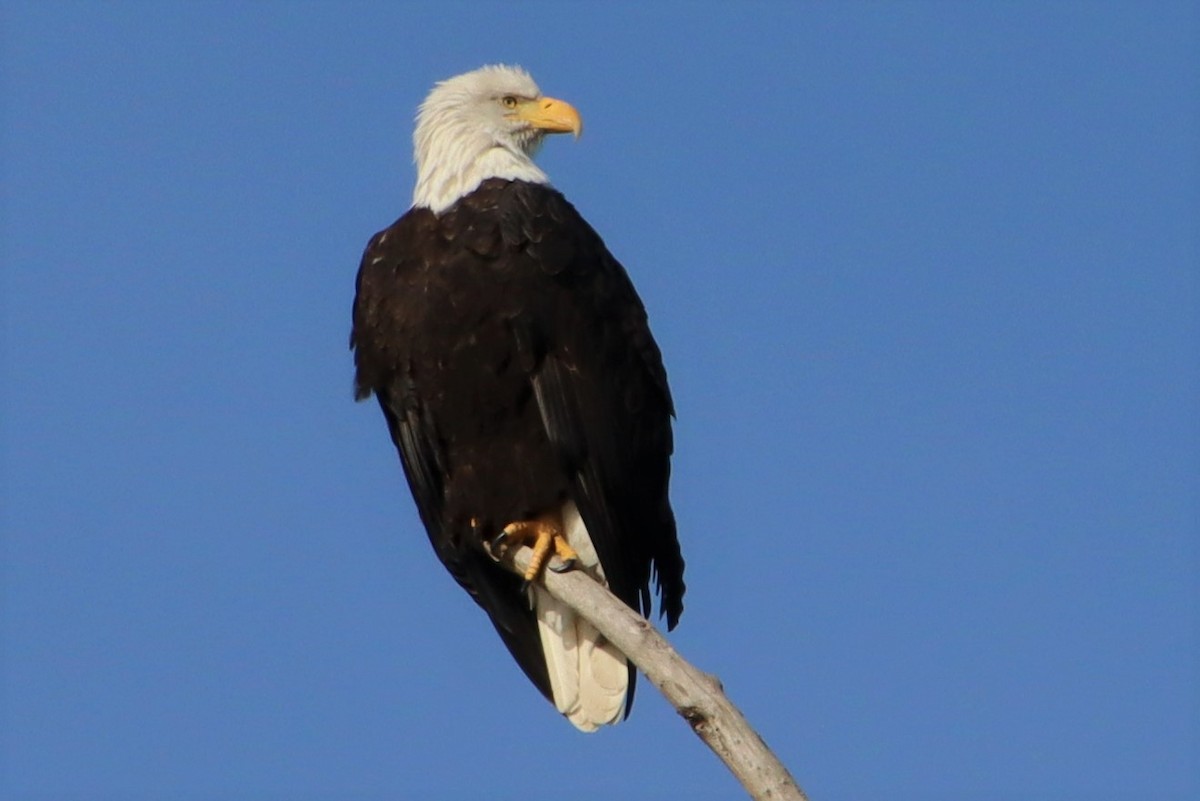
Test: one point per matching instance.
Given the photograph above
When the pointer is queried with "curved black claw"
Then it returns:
(562, 566)
(500, 543)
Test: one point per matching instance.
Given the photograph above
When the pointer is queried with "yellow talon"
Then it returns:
(564, 551)
(542, 534)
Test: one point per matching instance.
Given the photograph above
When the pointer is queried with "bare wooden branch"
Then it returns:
(697, 696)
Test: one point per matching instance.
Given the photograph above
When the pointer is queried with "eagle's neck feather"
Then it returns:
(452, 163)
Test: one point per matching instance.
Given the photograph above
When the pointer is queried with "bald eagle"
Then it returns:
(520, 383)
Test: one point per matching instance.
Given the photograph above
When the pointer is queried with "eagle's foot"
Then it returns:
(543, 534)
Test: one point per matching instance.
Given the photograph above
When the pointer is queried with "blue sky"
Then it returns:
(925, 278)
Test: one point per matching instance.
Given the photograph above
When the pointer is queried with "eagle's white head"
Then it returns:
(479, 125)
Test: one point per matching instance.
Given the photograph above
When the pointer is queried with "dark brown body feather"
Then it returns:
(512, 359)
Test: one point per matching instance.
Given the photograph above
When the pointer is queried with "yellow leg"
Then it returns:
(543, 534)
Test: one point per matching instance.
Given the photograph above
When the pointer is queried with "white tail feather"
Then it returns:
(589, 678)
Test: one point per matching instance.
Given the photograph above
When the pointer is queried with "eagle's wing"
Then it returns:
(602, 391)
(415, 434)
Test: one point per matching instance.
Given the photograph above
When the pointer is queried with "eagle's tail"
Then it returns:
(589, 677)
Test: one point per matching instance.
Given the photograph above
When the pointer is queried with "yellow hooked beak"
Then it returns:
(550, 115)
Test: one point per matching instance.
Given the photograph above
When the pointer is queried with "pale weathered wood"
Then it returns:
(697, 696)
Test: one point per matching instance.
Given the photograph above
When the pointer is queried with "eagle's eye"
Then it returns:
(509, 101)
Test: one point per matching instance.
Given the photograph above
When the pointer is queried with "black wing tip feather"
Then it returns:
(671, 597)
(497, 591)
